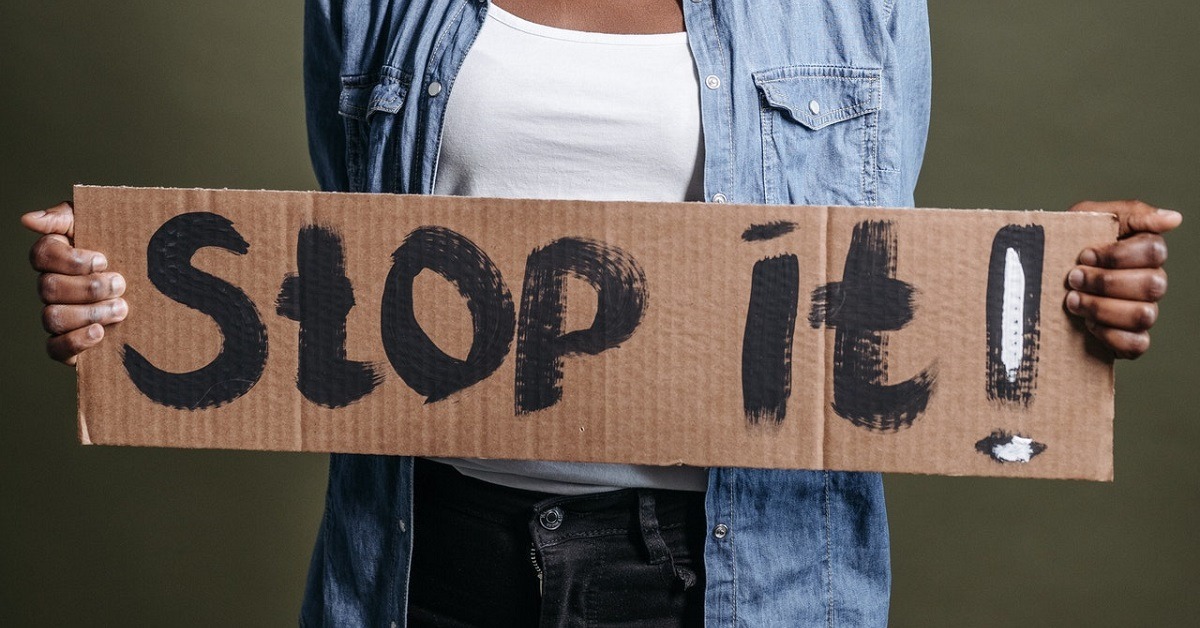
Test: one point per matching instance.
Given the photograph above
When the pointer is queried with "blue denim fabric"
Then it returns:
(818, 102)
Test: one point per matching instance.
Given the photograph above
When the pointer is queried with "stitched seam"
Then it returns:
(437, 150)
(799, 72)
(862, 173)
(870, 79)
(889, 7)
(421, 139)
(873, 157)
(727, 96)
(846, 113)
(830, 113)
(828, 558)
(586, 535)
(451, 23)
(769, 154)
(732, 554)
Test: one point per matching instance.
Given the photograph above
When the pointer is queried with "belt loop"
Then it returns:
(656, 547)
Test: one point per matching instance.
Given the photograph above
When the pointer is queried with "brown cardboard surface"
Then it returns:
(674, 385)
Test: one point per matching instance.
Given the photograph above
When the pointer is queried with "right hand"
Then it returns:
(80, 296)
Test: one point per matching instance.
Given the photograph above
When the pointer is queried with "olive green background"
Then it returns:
(1036, 105)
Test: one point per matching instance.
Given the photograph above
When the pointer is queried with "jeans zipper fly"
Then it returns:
(537, 568)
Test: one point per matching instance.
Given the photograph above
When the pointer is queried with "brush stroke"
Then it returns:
(319, 296)
(866, 304)
(1005, 447)
(422, 365)
(768, 230)
(243, 355)
(767, 341)
(1014, 293)
(542, 342)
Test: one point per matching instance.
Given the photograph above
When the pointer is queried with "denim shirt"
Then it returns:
(815, 102)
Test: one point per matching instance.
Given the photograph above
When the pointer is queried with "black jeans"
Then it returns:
(487, 555)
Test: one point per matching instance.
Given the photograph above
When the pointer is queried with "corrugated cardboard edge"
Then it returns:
(84, 434)
(85, 437)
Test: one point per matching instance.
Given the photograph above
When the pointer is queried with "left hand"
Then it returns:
(1116, 286)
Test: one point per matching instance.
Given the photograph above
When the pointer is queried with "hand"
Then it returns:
(1116, 286)
(80, 296)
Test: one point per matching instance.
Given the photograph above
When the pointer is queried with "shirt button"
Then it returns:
(719, 198)
(435, 88)
(814, 107)
(712, 81)
(551, 519)
(720, 531)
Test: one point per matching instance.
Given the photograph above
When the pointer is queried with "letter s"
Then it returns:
(243, 354)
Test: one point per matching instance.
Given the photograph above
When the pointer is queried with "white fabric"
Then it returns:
(544, 112)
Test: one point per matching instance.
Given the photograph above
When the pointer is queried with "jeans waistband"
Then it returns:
(622, 509)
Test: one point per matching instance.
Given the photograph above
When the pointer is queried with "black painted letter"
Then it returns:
(244, 346)
(1014, 294)
(541, 344)
(419, 362)
(319, 296)
(867, 302)
(767, 343)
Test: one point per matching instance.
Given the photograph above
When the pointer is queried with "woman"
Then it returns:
(715, 100)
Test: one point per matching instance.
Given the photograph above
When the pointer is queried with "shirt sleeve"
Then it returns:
(908, 26)
(322, 90)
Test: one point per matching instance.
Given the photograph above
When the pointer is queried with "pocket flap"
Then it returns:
(363, 95)
(818, 96)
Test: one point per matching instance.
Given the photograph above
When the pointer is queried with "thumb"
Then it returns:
(1156, 221)
(1134, 216)
(59, 219)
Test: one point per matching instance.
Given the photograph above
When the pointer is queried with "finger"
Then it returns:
(59, 219)
(1128, 345)
(1117, 313)
(54, 254)
(1144, 250)
(55, 288)
(66, 347)
(60, 319)
(1134, 216)
(1137, 284)
(1157, 221)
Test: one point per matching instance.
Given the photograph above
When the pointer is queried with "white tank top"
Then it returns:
(544, 112)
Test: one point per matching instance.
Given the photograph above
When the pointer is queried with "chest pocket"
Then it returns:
(820, 134)
(368, 106)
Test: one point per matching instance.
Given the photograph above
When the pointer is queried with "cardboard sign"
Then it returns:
(923, 341)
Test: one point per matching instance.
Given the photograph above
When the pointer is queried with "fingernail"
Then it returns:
(1073, 301)
(39, 213)
(1168, 213)
(120, 309)
(1075, 278)
(99, 263)
(95, 331)
(1088, 257)
(118, 285)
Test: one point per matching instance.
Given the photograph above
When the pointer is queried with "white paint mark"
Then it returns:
(1017, 449)
(1012, 326)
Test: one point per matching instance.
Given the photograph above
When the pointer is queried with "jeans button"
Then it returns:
(551, 519)
(720, 530)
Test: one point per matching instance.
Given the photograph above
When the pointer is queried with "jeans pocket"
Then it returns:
(820, 134)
